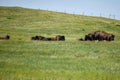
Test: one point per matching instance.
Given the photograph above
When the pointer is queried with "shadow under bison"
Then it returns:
(98, 35)
(56, 38)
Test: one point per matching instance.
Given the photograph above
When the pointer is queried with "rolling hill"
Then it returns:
(22, 58)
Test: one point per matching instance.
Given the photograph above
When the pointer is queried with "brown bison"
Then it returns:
(37, 38)
(57, 38)
(100, 36)
(60, 38)
(5, 37)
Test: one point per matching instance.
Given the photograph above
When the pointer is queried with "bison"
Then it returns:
(60, 38)
(56, 38)
(5, 37)
(100, 36)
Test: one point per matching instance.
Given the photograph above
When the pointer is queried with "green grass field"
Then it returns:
(24, 59)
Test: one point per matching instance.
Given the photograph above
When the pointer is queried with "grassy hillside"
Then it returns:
(23, 59)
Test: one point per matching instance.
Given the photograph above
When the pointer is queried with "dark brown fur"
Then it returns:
(100, 36)
(57, 38)
(60, 38)
(5, 37)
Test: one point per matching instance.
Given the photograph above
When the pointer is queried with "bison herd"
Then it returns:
(96, 35)
(99, 35)
(56, 38)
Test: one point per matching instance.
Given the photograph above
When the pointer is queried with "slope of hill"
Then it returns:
(29, 22)
(21, 58)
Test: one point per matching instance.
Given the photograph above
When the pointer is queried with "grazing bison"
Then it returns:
(60, 38)
(57, 38)
(38, 38)
(100, 36)
(5, 37)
